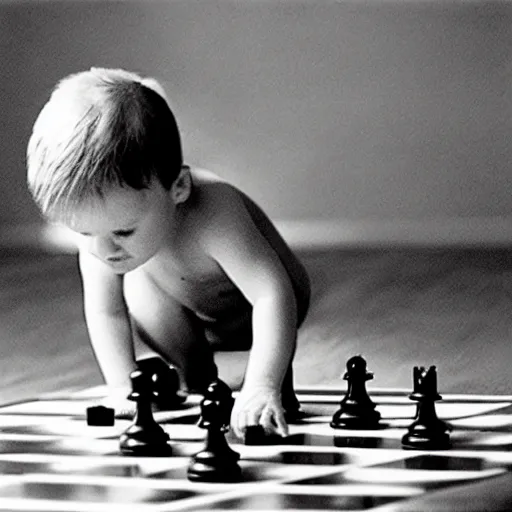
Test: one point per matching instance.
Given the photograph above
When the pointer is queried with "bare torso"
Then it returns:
(196, 280)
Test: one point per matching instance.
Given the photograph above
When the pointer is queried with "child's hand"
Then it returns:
(117, 399)
(259, 405)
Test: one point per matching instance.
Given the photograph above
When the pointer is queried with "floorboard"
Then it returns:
(398, 307)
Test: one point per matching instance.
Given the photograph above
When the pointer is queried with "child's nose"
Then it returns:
(105, 247)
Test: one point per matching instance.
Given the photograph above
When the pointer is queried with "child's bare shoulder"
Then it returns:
(220, 203)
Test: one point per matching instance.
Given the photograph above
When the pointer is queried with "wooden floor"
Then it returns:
(397, 307)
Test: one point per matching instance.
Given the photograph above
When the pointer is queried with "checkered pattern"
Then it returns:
(51, 460)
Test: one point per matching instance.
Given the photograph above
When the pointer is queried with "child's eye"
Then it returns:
(124, 232)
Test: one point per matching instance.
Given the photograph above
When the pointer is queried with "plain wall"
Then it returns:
(328, 109)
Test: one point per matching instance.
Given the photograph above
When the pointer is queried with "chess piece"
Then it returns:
(255, 435)
(217, 462)
(144, 437)
(291, 405)
(100, 416)
(220, 393)
(427, 431)
(165, 383)
(356, 411)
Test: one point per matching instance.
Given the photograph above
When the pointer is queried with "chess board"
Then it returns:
(51, 460)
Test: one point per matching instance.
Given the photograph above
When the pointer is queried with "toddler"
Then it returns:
(174, 261)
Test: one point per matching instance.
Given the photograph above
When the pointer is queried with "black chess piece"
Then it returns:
(165, 383)
(427, 431)
(100, 416)
(255, 435)
(217, 462)
(220, 393)
(291, 405)
(356, 411)
(144, 437)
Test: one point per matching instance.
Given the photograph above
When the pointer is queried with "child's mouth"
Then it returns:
(117, 259)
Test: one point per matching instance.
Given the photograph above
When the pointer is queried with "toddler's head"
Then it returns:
(101, 129)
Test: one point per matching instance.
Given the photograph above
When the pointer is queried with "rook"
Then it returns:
(427, 431)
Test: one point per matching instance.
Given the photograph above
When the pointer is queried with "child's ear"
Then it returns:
(182, 186)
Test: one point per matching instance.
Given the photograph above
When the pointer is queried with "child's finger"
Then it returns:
(267, 421)
(281, 424)
(273, 421)
(239, 424)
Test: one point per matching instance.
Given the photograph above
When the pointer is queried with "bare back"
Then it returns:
(189, 274)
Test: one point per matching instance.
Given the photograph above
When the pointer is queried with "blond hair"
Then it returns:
(100, 129)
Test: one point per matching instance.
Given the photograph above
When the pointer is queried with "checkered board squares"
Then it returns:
(51, 460)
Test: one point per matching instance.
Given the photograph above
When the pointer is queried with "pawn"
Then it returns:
(427, 431)
(144, 437)
(219, 393)
(357, 411)
(165, 383)
(217, 462)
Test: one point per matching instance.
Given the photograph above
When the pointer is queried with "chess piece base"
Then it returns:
(356, 418)
(136, 448)
(418, 441)
(433, 437)
(144, 442)
(208, 467)
(427, 431)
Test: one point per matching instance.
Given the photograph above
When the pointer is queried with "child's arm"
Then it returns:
(252, 264)
(107, 320)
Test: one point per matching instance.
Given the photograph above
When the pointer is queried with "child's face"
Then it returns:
(127, 227)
